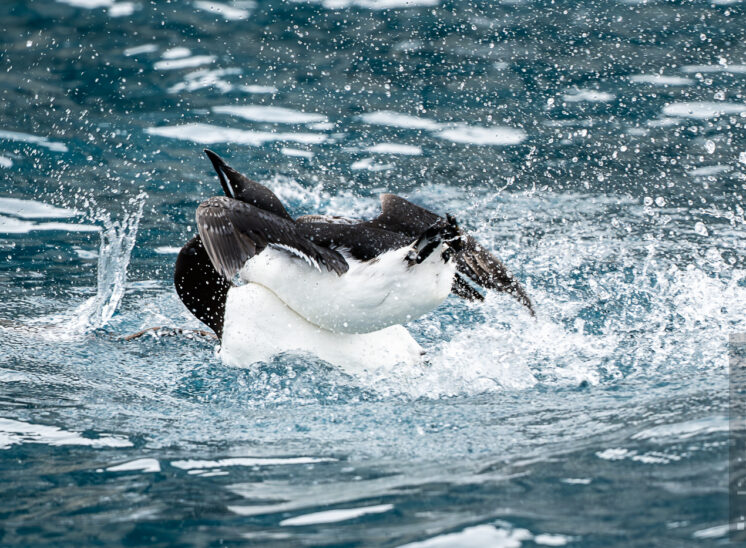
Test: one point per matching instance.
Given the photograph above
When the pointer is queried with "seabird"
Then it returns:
(333, 281)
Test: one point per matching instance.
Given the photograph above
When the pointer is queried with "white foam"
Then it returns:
(710, 69)
(13, 432)
(35, 139)
(141, 465)
(6, 162)
(247, 461)
(186, 62)
(706, 171)
(12, 376)
(397, 119)
(588, 95)
(378, 4)
(277, 115)
(495, 135)
(284, 496)
(395, 148)
(296, 153)
(228, 13)
(334, 516)
(370, 165)
(87, 4)
(122, 9)
(321, 126)
(663, 122)
(661, 80)
(10, 225)
(614, 454)
(409, 45)
(254, 88)
(655, 458)
(551, 540)
(176, 53)
(137, 50)
(703, 110)
(713, 532)
(488, 358)
(205, 78)
(67, 227)
(208, 134)
(85, 254)
(476, 537)
(684, 430)
(167, 250)
(31, 209)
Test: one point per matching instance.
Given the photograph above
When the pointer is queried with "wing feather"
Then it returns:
(233, 232)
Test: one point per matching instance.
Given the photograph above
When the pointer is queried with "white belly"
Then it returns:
(259, 326)
(369, 296)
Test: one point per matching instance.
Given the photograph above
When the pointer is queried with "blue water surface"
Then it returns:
(598, 148)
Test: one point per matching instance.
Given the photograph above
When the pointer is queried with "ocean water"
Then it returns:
(598, 148)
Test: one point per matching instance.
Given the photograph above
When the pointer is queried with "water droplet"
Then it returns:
(647, 201)
(660, 201)
(701, 229)
(709, 146)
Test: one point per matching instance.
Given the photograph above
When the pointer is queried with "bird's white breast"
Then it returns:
(259, 326)
(370, 296)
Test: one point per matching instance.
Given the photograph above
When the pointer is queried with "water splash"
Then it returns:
(117, 241)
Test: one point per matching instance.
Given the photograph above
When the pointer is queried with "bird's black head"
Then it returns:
(199, 286)
(452, 234)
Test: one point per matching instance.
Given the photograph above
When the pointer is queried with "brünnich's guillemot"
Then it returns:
(335, 287)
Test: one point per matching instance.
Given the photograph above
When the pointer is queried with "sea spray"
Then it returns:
(117, 241)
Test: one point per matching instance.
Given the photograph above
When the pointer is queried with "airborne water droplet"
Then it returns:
(701, 229)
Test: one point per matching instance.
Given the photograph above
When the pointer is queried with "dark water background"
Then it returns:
(597, 147)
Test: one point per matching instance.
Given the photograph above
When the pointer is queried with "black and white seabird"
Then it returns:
(336, 287)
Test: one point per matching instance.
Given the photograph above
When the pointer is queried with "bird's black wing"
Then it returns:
(233, 232)
(486, 270)
(361, 241)
(329, 219)
(402, 216)
(463, 289)
(473, 260)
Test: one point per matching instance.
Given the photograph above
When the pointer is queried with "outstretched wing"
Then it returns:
(233, 232)
(486, 270)
(402, 216)
(473, 261)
